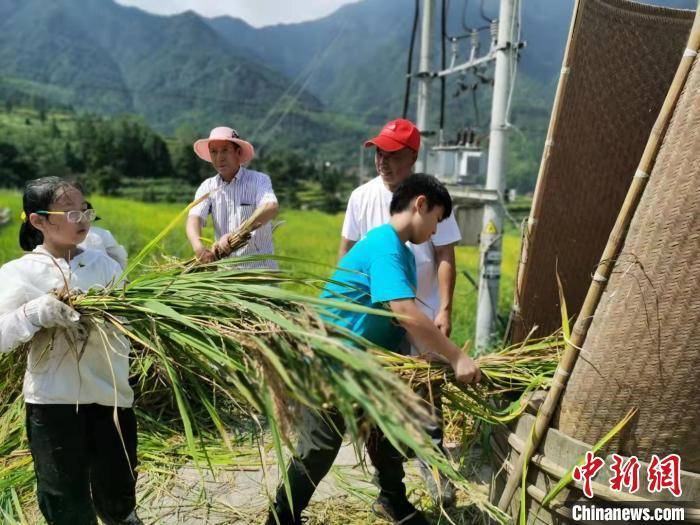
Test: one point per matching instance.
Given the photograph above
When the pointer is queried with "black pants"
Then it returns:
(315, 456)
(432, 394)
(80, 463)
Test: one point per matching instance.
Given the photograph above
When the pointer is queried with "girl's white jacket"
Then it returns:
(60, 370)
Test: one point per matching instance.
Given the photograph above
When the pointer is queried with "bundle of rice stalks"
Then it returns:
(234, 241)
(240, 237)
(16, 472)
(227, 337)
(163, 458)
(232, 334)
(511, 373)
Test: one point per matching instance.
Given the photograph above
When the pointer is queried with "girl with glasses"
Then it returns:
(84, 459)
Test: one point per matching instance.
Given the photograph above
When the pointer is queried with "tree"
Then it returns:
(54, 130)
(74, 162)
(14, 171)
(286, 169)
(188, 166)
(108, 180)
(330, 178)
(157, 155)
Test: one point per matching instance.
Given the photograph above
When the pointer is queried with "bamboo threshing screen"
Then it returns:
(643, 347)
(620, 60)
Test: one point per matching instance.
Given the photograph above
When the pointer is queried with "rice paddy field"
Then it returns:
(237, 484)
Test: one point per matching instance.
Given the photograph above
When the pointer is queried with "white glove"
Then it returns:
(48, 312)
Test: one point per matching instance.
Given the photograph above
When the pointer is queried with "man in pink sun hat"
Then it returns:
(233, 195)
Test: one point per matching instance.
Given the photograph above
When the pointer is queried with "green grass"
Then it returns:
(308, 235)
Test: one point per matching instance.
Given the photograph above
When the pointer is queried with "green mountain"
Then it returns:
(103, 57)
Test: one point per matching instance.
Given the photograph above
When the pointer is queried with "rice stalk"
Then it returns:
(510, 373)
(240, 237)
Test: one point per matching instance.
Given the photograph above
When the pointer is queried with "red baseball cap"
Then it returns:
(396, 135)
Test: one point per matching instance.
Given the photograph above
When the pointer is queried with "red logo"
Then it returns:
(665, 474)
(584, 473)
(625, 474)
(662, 474)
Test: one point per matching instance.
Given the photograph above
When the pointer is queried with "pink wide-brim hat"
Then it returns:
(201, 147)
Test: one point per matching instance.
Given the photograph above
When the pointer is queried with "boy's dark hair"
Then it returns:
(39, 194)
(421, 184)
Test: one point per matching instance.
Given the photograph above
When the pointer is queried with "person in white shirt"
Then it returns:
(396, 151)
(75, 380)
(232, 196)
(103, 240)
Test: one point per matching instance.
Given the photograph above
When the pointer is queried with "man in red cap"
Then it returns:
(396, 151)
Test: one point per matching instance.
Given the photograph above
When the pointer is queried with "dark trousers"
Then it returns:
(432, 394)
(314, 458)
(81, 464)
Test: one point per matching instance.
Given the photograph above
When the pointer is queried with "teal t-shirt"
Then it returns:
(382, 269)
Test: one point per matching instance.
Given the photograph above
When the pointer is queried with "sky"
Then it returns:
(256, 12)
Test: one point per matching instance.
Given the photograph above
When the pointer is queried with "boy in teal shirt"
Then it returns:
(382, 269)
(379, 270)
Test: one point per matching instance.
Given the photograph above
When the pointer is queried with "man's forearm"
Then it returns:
(432, 341)
(193, 230)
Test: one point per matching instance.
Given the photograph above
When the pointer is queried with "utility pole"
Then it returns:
(492, 230)
(424, 80)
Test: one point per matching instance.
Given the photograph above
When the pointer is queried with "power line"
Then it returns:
(465, 26)
(309, 71)
(315, 65)
(443, 39)
(409, 67)
(483, 15)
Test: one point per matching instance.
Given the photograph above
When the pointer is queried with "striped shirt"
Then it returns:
(231, 203)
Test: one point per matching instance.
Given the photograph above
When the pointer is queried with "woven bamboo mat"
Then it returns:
(643, 347)
(621, 59)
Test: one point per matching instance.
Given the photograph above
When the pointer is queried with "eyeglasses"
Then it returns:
(75, 216)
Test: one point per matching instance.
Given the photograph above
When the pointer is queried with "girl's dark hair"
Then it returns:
(421, 184)
(39, 194)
